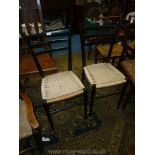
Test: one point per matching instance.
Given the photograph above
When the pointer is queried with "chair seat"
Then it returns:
(129, 69)
(27, 66)
(61, 86)
(103, 75)
(131, 44)
(24, 127)
(116, 51)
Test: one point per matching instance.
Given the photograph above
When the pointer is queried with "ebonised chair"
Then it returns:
(127, 62)
(60, 86)
(28, 125)
(101, 76)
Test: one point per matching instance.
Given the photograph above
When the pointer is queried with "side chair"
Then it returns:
(60, 86)
(101, 76)
(28, 125)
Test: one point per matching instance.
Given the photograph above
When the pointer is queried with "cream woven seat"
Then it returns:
(61, 86)
(103, 75)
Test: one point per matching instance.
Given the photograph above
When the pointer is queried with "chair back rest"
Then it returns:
(129, 32)
(43, 43)
(30, 17)
(99, 35)
(128, 51)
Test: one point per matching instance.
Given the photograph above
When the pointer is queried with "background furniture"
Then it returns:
(30, 17)
(103, 49)
(28, 124)
(54, 9)
(127, 62)
(31, 22)
(27, 64)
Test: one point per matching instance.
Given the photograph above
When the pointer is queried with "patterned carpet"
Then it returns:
(109, 131)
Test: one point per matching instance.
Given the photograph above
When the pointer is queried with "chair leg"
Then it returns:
(129, 94)
(96, 56)
(89, 51)
(92, 98)
(122, 94)
(38, 139)
(85, 103)
(83, 76)
(113, 60)
(46, 107)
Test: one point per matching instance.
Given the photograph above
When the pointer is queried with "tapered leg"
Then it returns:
(122, 94)
(83, 75)
(96, 56)
(38, 139)
(47, 110)
(89, 51)
(113, 60)
(129, 95)
(92, 98)
(85, 103)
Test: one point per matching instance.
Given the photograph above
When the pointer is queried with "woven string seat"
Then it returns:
(61, 86)
(116, 51)
(103, 75)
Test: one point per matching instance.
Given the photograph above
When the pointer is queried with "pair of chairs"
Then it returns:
(66, 85)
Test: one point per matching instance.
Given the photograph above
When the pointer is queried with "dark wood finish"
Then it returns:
(128, 50)
(47, 111)
(100, 34)
(92, 99)
(43, 59)
(85, 100)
